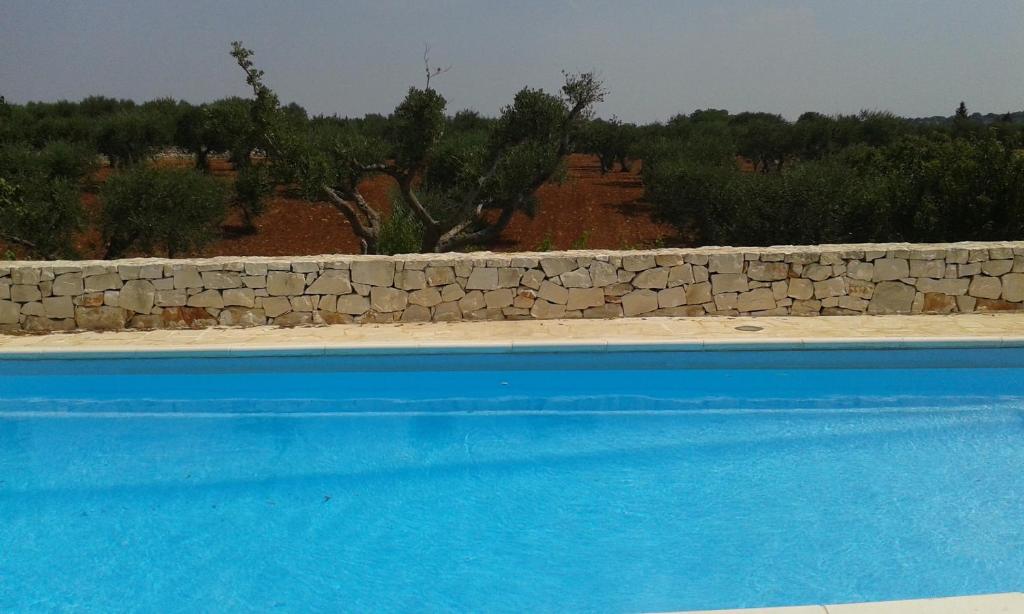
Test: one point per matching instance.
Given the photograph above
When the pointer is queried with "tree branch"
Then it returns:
(367, 231)
(29, 244)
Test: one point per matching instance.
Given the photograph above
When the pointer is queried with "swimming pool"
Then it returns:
(638, 479)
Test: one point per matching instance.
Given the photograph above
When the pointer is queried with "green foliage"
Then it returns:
(229, 126)
(611, 141)
(416, 127)
(168, 210)
(546, 244)
(582, 241)
(132, 136)
(916, 189)
(71, 162)
(40, 215)
(41, 208)
(446, 182)
(400, 232)
(253, 184)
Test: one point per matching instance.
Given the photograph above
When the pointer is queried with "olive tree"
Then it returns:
(463, 191)
(40, 207)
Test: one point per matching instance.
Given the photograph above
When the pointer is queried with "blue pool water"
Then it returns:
(575, 481)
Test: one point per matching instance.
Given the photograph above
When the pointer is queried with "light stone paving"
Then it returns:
(1001, 603)
(874, 279)
(704, 334)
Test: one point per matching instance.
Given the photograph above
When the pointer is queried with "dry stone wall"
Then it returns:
(773, 281)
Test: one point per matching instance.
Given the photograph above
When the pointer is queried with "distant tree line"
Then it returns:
(457, 180)
(757, 179)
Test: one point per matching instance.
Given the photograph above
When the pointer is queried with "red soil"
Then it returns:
(587, 210)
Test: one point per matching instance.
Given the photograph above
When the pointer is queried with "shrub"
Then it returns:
(812, 202)
(916, 189)
(253, 185)
(130, 137)
(40, 215)
(171, 210)
(400, 232)
(41, 209)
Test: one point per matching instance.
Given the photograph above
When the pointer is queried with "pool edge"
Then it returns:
(991, 603)
(513, 347)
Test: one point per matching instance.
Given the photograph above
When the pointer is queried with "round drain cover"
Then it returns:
(750, 329)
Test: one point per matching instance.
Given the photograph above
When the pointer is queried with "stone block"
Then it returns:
(1013, 287)
(768, 271)
(890, 269)
(68, 284)
(985, 287)
(952, 287)
(416, 313)
(892, 297)
(334, 281)
(583, 298)
(543, 310)
(553, 267)
(241, 316)
(221, 280)
(578, 278)
(59, 307)
(604, 311)
(239, 297)
(385, 300)
(725, 263)
(698, 293)
(207, 298)
(728, 282)
(935, 302)
(756, 300)
(101, 318)
(473, 301)
(727, 301)
(274, 306)
(482, 278)
(170, 298)
(638, 262)
(379, 273)
(509, 277)
(293, 319)
(353, 304)
(553, 293)
(800, 289)
(671, 297)
(280, 283)
(439, 275)
(603, 274)
(186, 278)
(656, 278)
(24, 294)
(138, 295)
(447, 312)
(408, 280)
(996, 268)
(10, 312)
(427, 297)
(502, 297)
(639, 302)
(829, 288)
(935, 269)
(452, 292)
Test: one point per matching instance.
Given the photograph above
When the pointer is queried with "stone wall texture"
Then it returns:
(713, 281)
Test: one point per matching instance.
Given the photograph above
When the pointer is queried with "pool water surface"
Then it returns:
(561, 481)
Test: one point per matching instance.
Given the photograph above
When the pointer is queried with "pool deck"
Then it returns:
(696, 334)
(1002, 603)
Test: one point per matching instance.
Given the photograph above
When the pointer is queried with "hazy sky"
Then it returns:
(913, 57)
